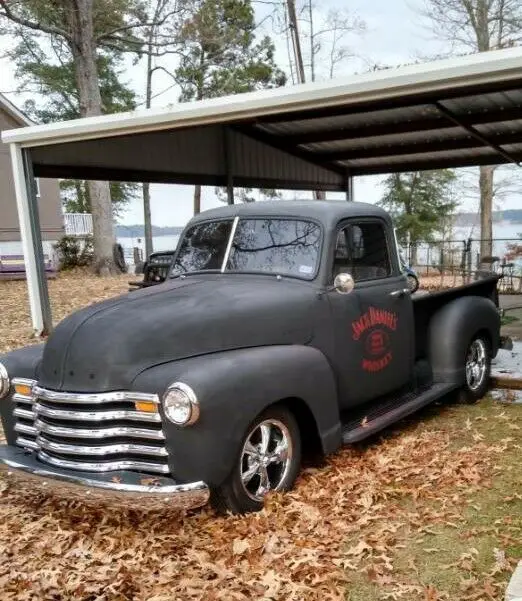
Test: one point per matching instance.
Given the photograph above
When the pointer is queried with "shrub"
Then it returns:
(74, 252)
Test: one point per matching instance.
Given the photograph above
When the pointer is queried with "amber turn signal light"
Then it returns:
(23, 389)
(146, 406)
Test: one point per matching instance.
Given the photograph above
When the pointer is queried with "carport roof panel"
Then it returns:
(449, 113)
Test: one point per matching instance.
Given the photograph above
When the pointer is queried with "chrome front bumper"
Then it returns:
(124, 489)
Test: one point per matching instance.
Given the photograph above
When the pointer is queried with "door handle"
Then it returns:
(399, 293)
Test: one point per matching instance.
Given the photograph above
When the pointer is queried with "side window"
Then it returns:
(362, 251)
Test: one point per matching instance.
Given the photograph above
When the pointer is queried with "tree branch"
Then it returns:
(37, 26)
(154, 23)
(160, 68)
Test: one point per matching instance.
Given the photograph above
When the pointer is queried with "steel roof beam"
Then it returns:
(416, 148)
(280, 144)
(476, 134)
(402, 127)
(426, 165)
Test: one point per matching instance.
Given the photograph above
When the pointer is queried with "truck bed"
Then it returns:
(425, 305)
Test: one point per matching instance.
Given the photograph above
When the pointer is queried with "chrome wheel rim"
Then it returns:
(266, 458)
(476, 364)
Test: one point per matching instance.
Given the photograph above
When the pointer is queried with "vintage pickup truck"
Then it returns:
(284, 328)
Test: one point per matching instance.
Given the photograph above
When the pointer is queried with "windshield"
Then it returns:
(278, 246)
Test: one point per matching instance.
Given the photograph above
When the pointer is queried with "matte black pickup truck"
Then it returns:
(283, 328)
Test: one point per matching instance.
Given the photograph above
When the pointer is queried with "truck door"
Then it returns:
(374, 325)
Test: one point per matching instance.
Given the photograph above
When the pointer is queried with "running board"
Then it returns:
(364, 422)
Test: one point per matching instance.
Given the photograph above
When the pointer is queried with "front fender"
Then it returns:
(451, 330)
(234, 387)
(20, 363)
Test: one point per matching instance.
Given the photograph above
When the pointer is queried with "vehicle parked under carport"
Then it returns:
(283, 326)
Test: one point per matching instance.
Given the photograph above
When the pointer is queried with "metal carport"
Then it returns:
(451, 113)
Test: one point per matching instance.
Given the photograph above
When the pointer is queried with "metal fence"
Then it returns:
(452, 262)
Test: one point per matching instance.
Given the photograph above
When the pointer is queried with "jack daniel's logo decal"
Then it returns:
(373, 328)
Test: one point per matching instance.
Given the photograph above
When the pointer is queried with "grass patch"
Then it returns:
(462, 541)
(508, 319)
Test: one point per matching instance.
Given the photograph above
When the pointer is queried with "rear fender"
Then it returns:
(233, 388)
(451, 330)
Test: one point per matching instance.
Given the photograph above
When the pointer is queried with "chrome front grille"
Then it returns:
(91, 432)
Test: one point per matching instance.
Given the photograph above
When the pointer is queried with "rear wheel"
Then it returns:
(478, 369)
(269, 460)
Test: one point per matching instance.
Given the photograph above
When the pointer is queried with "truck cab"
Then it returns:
(283, 328)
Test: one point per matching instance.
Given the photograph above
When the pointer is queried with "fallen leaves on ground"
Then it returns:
(404, 517)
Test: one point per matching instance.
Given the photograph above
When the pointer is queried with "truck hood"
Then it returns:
(106, 345)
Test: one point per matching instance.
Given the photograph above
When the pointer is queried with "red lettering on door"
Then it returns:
(375, 327)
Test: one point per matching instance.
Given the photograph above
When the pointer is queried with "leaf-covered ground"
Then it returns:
(429, 511)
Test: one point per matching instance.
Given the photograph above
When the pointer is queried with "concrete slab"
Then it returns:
(506, 373)
(514, 589)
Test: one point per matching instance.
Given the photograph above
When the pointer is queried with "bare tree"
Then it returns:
(160, 40)
(328, 38)
(479, 26)
(326, 41)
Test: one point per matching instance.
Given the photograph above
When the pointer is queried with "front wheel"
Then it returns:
(413, 283)
(478, 369)
(269, 460)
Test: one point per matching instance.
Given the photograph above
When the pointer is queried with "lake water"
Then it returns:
(501, 230)
(159, 243)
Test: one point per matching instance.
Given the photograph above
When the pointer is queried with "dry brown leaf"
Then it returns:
(240, 546)
(357, 515)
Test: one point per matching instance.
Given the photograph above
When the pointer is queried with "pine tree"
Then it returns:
(52, 78)
(220, 55)
(420, 204)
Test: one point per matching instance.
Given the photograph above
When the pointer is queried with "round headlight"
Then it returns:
(181, 404)
(5, 385)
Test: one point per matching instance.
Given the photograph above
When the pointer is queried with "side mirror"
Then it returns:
(344, 283)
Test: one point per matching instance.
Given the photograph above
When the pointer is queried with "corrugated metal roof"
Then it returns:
(449, 113)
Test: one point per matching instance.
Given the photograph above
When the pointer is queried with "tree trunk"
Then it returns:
(296, 40)
(197, 199)
(84, 55)
(298, 56)
(486, 202)
(149, 248)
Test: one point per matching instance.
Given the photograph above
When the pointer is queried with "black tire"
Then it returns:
(413, 283)
(238, 496)
(119, 257)
(477, 362)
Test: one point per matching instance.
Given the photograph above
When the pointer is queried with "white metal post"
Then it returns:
(229, 165)
(31, 244)
(349, 188)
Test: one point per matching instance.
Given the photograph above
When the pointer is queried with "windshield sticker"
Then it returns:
(374, 328)
(306, 269)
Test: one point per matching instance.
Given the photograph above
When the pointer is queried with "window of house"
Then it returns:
(362, 251)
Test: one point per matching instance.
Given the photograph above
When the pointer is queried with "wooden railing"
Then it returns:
(78, 224)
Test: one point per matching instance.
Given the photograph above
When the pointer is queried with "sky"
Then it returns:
(395, 34)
